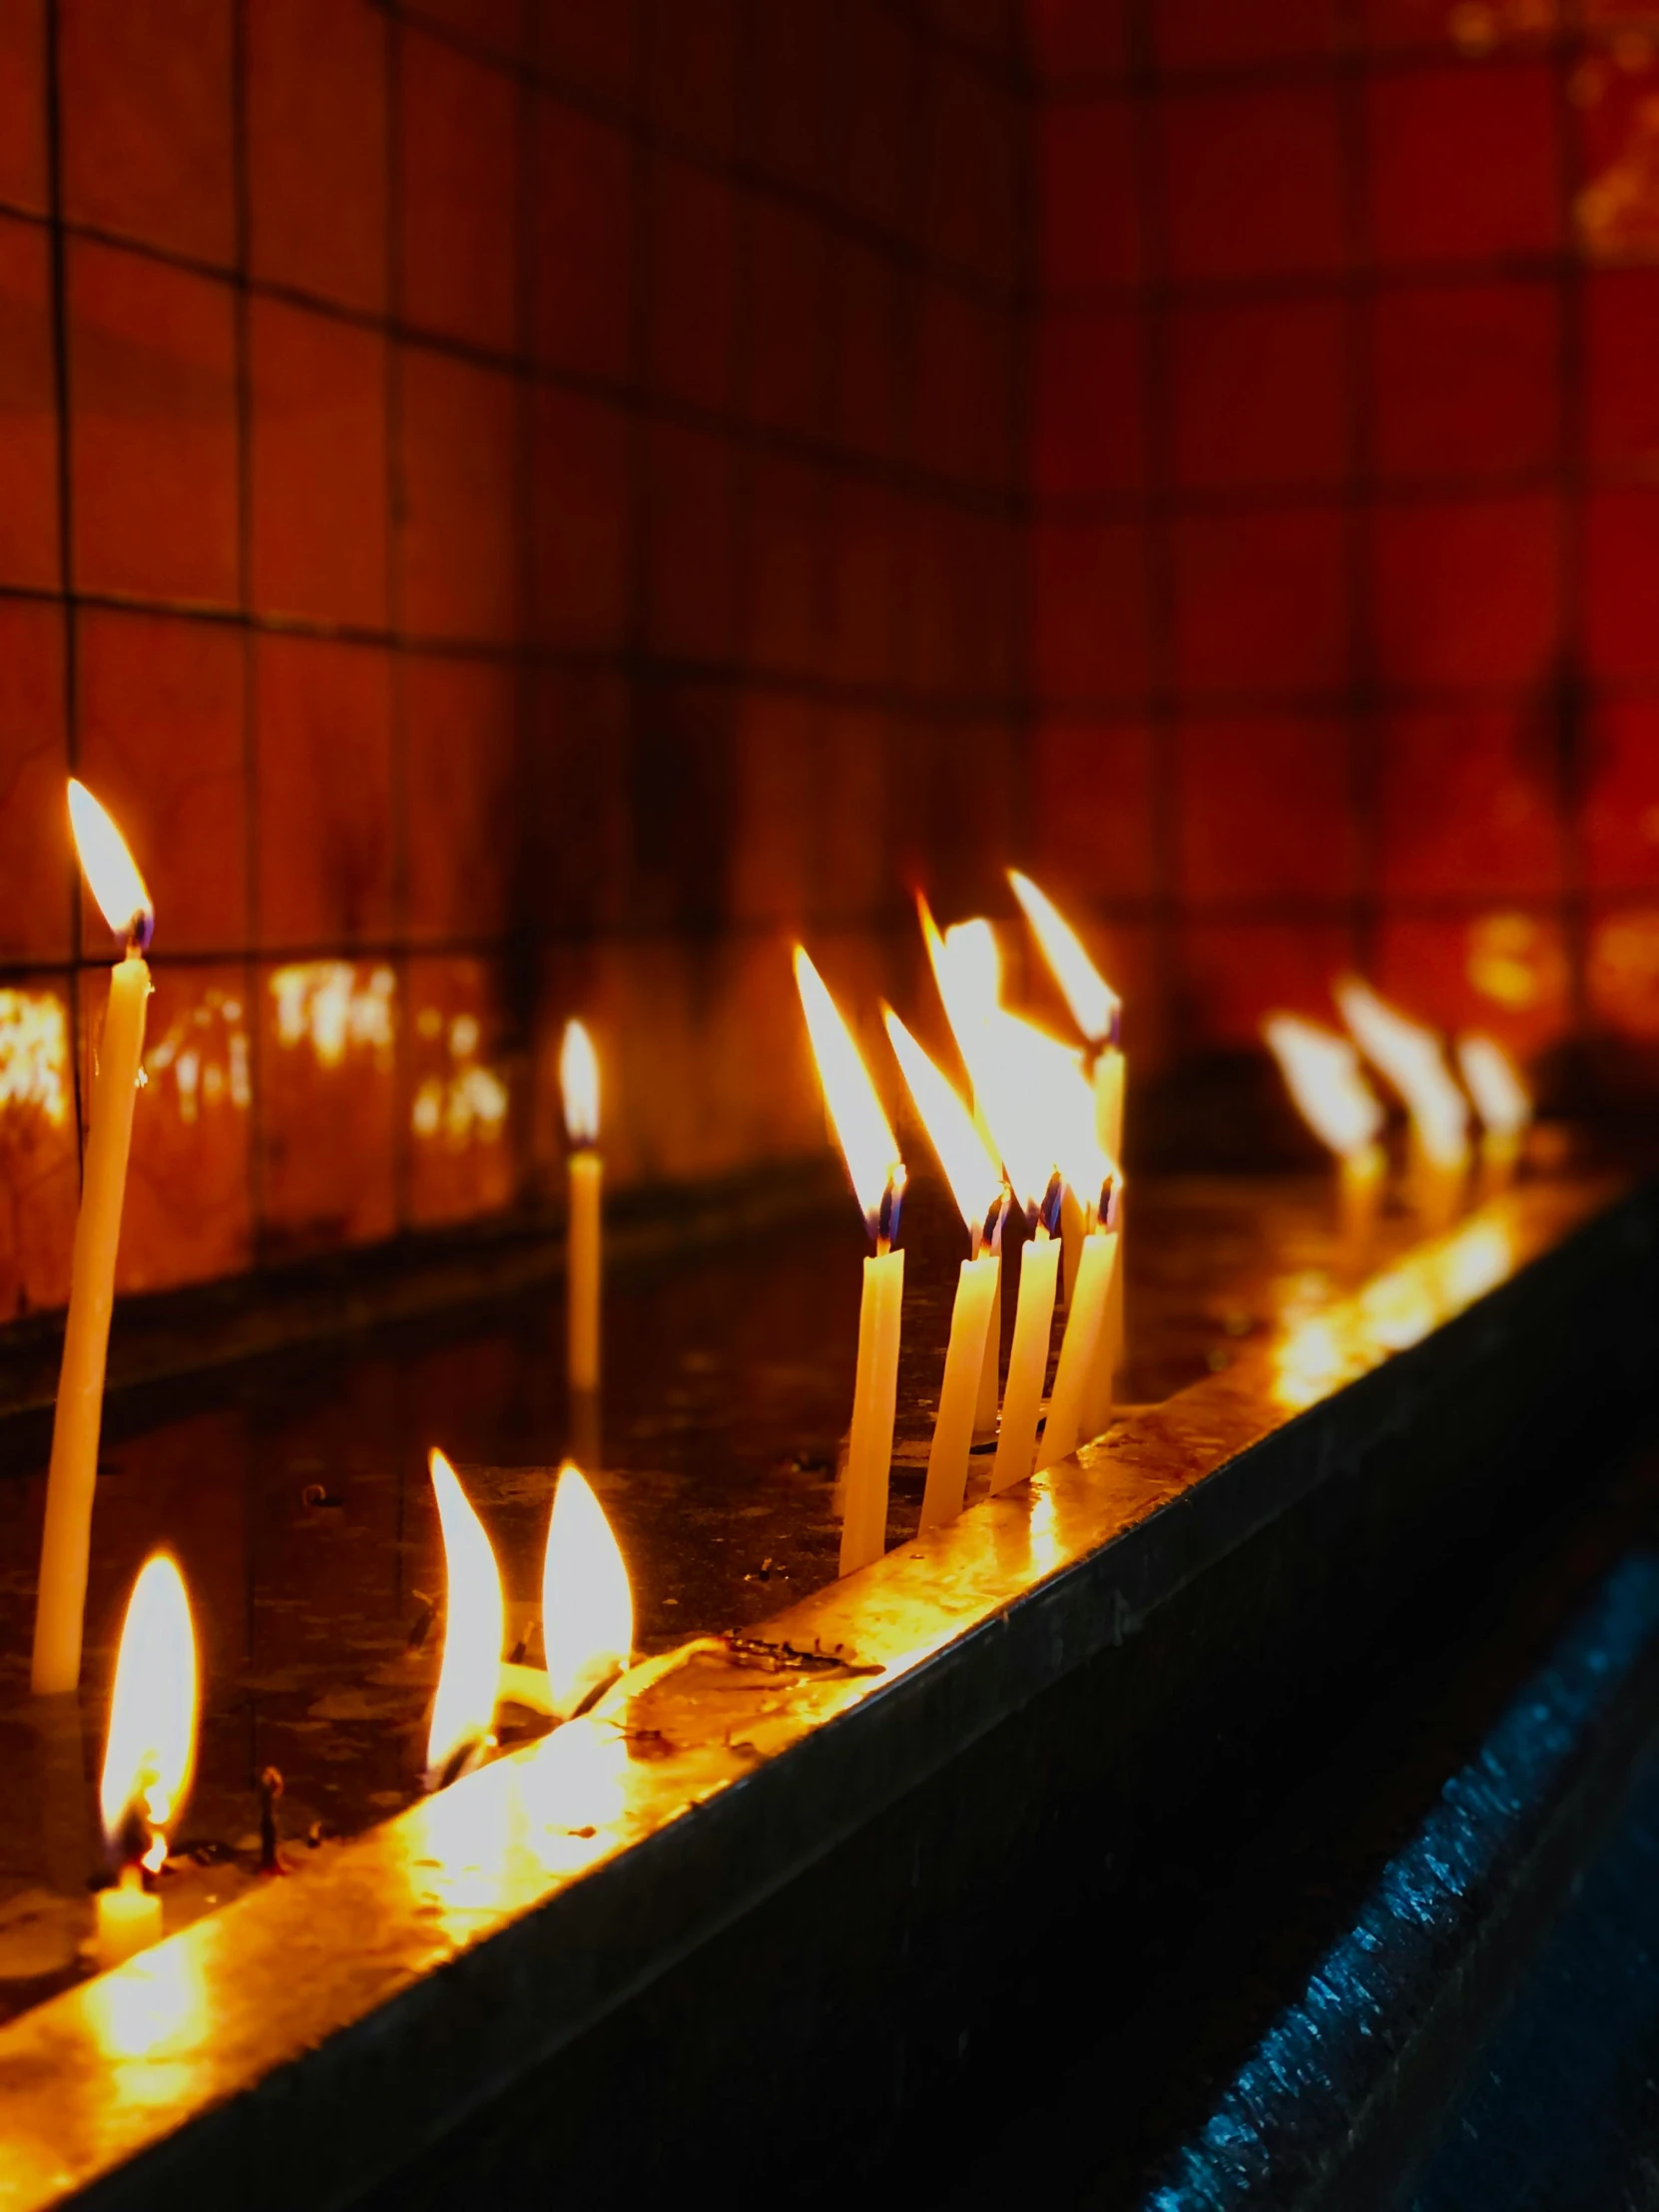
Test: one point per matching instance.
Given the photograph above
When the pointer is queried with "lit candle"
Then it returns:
(878, 1174)
(1500, 1098)
(1021, 1083)
(119, 889)
(982, 1196)
(579, 1082)
(1322, 1071)
(587, 1608)
(1081, 1401)
(1411, 1059)
(148, 1755)
(1098, 1013)
(474, 1628)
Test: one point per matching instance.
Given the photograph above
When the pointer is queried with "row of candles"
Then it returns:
(1041, 1131)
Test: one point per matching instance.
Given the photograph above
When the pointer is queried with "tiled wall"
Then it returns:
(516, 507)
(1346, 467)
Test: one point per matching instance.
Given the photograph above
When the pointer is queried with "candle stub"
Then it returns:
(128, 1920)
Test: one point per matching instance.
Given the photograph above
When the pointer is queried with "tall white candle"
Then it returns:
(1080, 1349)
(990, 1374)
(579, 1082)
(1097, 1012)
(874, 1403)
(61, 1604)
(974, 1174)
(878, 1174)
(1016, 1443)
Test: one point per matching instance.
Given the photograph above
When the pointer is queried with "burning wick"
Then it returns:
(877, 1172)
(587, 1609)
(270, 1788)
(148, 1757)
(474, 1629)
(579, 1082)
(971, 1169)
(119, 889)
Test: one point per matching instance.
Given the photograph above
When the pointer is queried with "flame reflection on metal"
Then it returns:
(1325, 1343)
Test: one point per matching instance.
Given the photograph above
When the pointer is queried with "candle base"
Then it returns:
(128, 1920)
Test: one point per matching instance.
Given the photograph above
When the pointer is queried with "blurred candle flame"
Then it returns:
(579, 1082)
(1095, 1007)
(464, 1711)
(1490, 1076)
(868, 1143)
(150, 1752)
(587, 1605)
(110, 869)
(970, 1168)
(1011, 1064)
(1411, 1059)
(1323, 1074)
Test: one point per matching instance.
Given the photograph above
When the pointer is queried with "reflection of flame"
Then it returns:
(586, 1607)
(153, 2013)
(34, 1054)
(110, 869)
(1323, 1076)
(1323, 1344)
(1095, 1007)
(475, 1625)
(471, 1103)
(867, 1142)
(325, 1003)
(1499, 1095)
(579, 1082)
(1412, 1060)
(972, 1170)
(152, 1741)
(201, 1072)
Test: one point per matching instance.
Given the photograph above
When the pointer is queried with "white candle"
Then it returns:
(1080, 1350)
(119, 890)
(1016, 1443)
(964, 1367)
(579, 1082)
(990, 1374)
(974, 1174)
(874, 1402)
(128, 1920)
(878, 1174)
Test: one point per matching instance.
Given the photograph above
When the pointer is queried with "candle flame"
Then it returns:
(464, 1712)
(866, 1140)
(1007, 1059)
(1095, 1007)
(1323, 1073)
(1501, 1097)
(1411, 1057)
(587, 1605)
(971, 1169)
(150, 1748)
(579, 1082)
(110, 869)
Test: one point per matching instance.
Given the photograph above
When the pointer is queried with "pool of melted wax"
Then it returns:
(296, 1497)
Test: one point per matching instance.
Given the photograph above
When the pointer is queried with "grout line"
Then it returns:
(66, 532)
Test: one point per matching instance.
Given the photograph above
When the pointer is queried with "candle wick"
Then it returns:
(140, 930)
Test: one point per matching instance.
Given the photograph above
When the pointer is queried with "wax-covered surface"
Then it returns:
(296, 1497)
